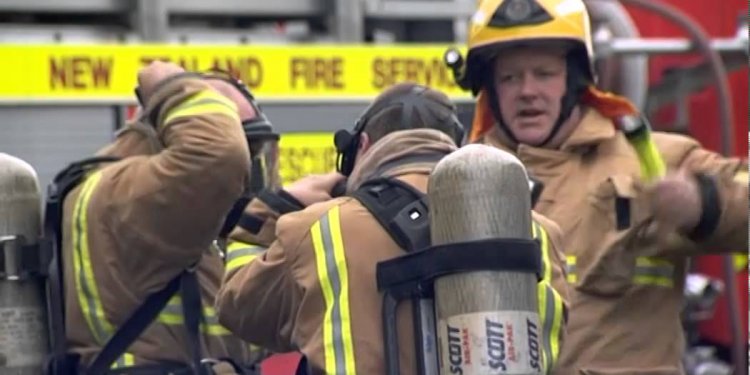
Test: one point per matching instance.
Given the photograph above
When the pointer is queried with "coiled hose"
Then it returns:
(726, 113)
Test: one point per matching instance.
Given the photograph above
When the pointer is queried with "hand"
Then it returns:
(150, 76)
(314, 188)
(676, 200)
(244, 108)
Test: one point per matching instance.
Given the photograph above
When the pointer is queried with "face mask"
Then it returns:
(264, 154)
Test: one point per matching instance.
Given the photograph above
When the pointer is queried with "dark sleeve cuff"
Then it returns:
(250, 223)
(710, 208)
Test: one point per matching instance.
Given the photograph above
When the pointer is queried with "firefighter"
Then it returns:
(632, 205)
(133, 226)
(314, 289)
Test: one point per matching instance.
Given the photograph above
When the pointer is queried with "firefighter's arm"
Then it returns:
(259, 297)
(173, 203)
(257, 224)
(723, 186)
(721, 223)
(552, 289)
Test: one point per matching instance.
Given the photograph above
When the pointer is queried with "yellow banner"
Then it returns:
(104, 73)
(302, 154)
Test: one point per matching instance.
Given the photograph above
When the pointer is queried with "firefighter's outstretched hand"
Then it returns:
(150, 77)
(314, 188)
(676, 200)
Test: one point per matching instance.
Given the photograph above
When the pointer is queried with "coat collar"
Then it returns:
(592, 130)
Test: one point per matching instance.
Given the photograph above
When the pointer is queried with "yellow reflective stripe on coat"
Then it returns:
(125, 360)
(88, 294)
(241, 253)
(540, 234)
(570, 268)
(172, 315)
(648, 271)
(550, 304)
(204, 102)
(330, 262)
(741, 260)
(653, 271)
(85, 282)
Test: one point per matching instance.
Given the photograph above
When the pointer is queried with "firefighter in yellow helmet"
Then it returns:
(633, 204)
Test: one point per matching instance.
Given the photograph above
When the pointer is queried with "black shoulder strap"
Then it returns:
(134, 326)
(234, 216)
(192, 313)
(65, 181)
(187, 284)
(401, 209)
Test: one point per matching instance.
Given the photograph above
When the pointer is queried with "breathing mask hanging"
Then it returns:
(264, 151)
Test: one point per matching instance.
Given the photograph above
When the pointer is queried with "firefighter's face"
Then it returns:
(530, 82)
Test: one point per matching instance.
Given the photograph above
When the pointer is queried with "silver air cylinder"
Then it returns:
(487, 321)
(23, 327)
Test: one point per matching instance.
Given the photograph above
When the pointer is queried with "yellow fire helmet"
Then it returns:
(498, 24)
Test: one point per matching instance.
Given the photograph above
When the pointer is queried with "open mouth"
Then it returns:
(527, 113)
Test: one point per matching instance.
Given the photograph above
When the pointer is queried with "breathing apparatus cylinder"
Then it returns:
(488, 321)
(24, 337)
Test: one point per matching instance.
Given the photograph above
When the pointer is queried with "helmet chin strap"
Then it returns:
(565, 112)
(566, 109)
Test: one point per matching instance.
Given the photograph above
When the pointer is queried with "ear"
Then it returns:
(364, 143)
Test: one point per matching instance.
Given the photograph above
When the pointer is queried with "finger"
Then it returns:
(334, 177)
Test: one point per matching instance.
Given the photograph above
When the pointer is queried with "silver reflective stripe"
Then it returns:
(174, 316)
(121, 362)
(570, 268)
(538, 233)
(659, 271)
(253, 250)
(654, 271)
(335, 278)
(212, 319)
(173, 309)
(549, 319)
(177, 312)
(240, 254)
